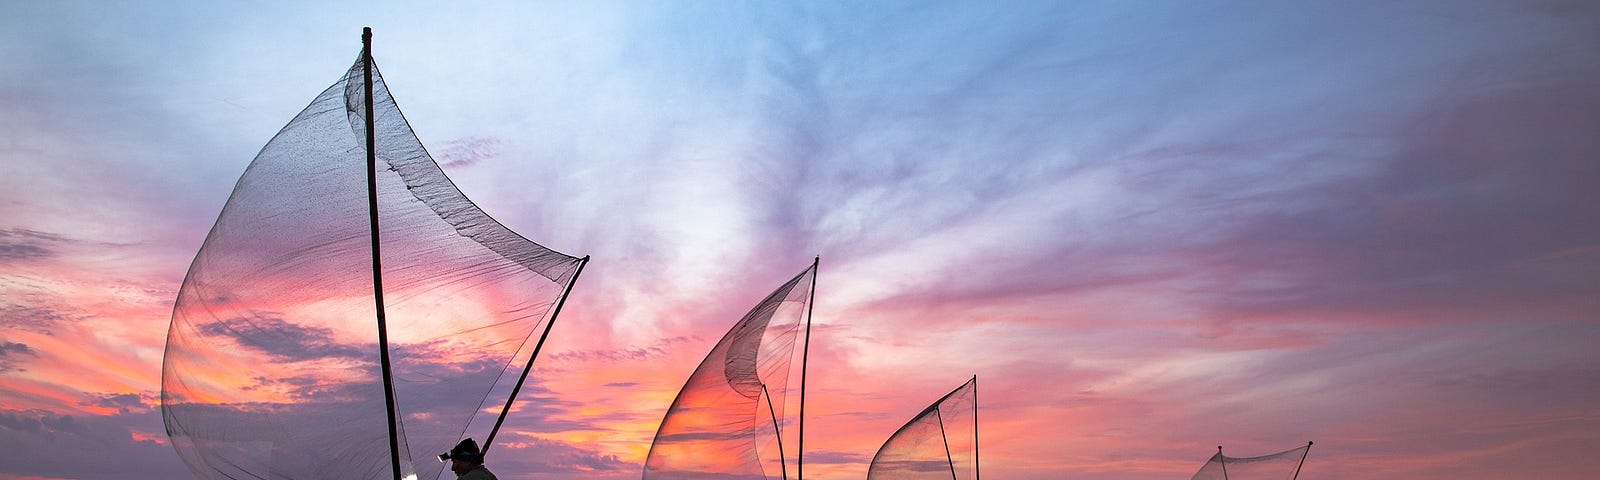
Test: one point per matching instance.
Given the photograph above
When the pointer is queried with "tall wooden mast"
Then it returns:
(377, 265)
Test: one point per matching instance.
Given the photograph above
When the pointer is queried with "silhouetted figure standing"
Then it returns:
(467, 462)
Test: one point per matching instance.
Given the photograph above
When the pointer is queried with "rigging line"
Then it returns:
(1302, 461)
(800, 453)
(975, 469)
(940, 417)
(782, 462)
(377, 266)
(531, 358)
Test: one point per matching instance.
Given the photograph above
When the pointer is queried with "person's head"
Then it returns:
(464, 457)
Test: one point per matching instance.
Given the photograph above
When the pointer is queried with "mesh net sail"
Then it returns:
(271, 368)
(939, 443)
(722, 424)
(1283, 465)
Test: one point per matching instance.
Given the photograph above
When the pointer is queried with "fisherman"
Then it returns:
(467, 462)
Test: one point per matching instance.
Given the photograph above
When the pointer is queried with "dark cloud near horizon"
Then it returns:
(40, 422)
(88, 447)
(826, 457)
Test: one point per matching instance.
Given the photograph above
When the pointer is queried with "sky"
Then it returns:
(1149, 228)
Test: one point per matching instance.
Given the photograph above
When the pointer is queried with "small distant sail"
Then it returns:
(729, 421)
(1283, 465)
(940, 443)
(272, 364)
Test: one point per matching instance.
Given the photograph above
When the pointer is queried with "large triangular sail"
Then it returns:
(729, 421)
(1283, 465)
(940, 442)
(272, 360)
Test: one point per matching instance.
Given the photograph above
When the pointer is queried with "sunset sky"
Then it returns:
(1149, 228)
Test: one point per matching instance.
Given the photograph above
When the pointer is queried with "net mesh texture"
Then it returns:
(938, 443)
(1278, 466)
(721, 425)
(272, 360)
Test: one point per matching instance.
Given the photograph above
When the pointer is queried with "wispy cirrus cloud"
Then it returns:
(33, 318)
(24, 244)
(631, 354)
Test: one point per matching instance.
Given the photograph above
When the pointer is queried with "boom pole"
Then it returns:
(946, 439)
(377, 265)
(805, 350)
(774, 413)
(1302, 461)
(531, 358)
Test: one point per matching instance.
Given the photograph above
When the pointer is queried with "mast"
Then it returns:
(811, 304)
(774, 414)
(975, 469)
(1302, 461)
(531, 358)
(377, 266)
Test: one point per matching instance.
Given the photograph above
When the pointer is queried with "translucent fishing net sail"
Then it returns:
(272, 359)
(728, 421)
(1283, 465)
(941, 442)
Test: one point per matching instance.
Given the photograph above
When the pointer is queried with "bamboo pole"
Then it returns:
(805, 350)
(782, 462)
(946, 439)
(1224, 461)
(377, 265)
(536, 347)
(1302, 461)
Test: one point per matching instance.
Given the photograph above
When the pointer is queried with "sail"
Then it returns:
(272, 366)
(941, 442)
(728, 421)
(1283, 465)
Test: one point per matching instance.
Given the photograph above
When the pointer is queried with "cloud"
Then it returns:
(123, 403)
(535, 454)
(34, 443)
(466, 152)
(25, 244)
(12, 251)
(1486, 206)
(11, 349)
(824, 457)
(631, 354)
(1170, 213)
(283, 340)
(39, 319)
